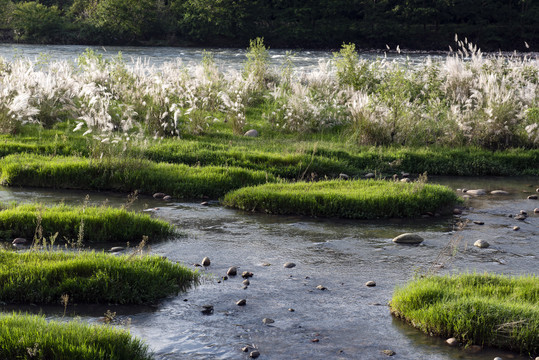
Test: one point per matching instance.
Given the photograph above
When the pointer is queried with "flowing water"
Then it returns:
(349, 320)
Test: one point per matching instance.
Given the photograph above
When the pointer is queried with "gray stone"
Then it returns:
(478, 222)
(482, 244)
(251, 133)
(516, 228)
(370, 283)
(19, 241)
(457, 211)
(388, 352)
(245, 349)
(246, 274)
(167, 197)
(291, 310)
(206, 261)
(532, 197)
(406, 180)
(241, 302)
(267, 321)
(289, 265)
(116, 249)
(343, 176)
(408, 238)
(207, 309)
(254, 354)
(321, 287)
(232, 271)
(452, 342)
(369, 176)
(476, 192)
(520, 217)
(498, 358)
(159, 195)
(246, 282)
(499, 192)
(536, 210)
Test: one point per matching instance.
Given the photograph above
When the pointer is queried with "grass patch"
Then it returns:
(125, 174)
(488, 310)
(44, 277)
(32, 337)
(88, 224)
(358, 199)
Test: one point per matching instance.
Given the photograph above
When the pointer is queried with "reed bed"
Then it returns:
(125, 174)
(482, 309)
(47, 277)
(24, 336)
(358, 199)
(80, 224)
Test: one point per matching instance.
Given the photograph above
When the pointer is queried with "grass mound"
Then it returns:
(359, 199)
(32, 337)
(489, 310)
(89, 277)
(177, 180)
(92, 224)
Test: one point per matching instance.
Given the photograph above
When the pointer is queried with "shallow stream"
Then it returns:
(349, 320)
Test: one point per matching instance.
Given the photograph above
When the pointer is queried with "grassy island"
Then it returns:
(488, 310)
(86, 224)
(358, 199)
(33, 337)
(45, 277)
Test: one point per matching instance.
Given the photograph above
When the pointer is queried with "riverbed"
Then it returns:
(347, 320)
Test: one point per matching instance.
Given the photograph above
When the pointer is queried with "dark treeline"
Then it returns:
(416, 24)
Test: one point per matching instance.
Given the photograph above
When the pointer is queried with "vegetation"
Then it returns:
(488, 310)
(48, 277)
(128, 175)
(79, 224)
(33, 337)
(494, 24)
(361, 199)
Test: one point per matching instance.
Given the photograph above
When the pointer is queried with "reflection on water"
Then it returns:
(350, 320)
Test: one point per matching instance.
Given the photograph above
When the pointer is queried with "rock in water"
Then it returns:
(408, 238)
(452, 342)
(241, 302)
(167, 197)
(232, 271)
(159, 195)
(369, 176)
(116, 249)
(254, 354)
(482, 244)
(477, 192)
(206, 261)
(532, 197)
(267, 321)
(499, 192)
(19, 241)
(289, 265)
(370, 283)
(251, 133)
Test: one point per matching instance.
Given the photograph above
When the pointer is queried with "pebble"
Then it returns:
(246, 282)
(19, 241)
(408, 238)
(251, 133)
(370, 283)
(246, 274)
(343, 176)
(232, 271)
(116, 249)
(523, 212)
(499, 192)
(516, 228)
(388, 352)
(477, 222)
(207, 309)
(167, 197)
(536, 210)
(291, 310)
(267, 321)
(289, 265)
(532, 197)
(457, 211)
(241, 302)
(482, 244)
(476, 192)
(369, 176)
(245, 349)
(452, 342)
(159, 195)
(321, 287)
(206, 261)
(254, 354)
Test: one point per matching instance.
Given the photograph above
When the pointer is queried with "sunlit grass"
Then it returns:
(359, 199)
(482, 309)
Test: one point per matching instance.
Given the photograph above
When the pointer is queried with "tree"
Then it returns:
(38, 23)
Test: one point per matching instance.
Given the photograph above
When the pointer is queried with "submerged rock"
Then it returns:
(207, 309)
(206, 261)
(521, 217)
(251, 133)
(482, 244)
(408, 238)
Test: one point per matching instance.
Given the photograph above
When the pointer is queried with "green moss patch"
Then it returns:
(89, 277)
(359, 199)
(177, 180)
(92, 224)
(32, 337)
(489, 310)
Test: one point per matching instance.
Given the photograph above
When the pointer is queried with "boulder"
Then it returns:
(251, 133)
(476, 192)
(408, 238)
(482, 244)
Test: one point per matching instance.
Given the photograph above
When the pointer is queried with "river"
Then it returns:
(350, 320)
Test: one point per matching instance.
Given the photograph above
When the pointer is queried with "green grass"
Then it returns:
(488, 310)
(33, 337)
(43, 277)
(127, 174)
(358, 199)
(99, 224)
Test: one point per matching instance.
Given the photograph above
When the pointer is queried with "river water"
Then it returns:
(349, 320)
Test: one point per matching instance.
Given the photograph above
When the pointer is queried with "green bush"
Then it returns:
(44, 277)
(360, 199)
(487, 310)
